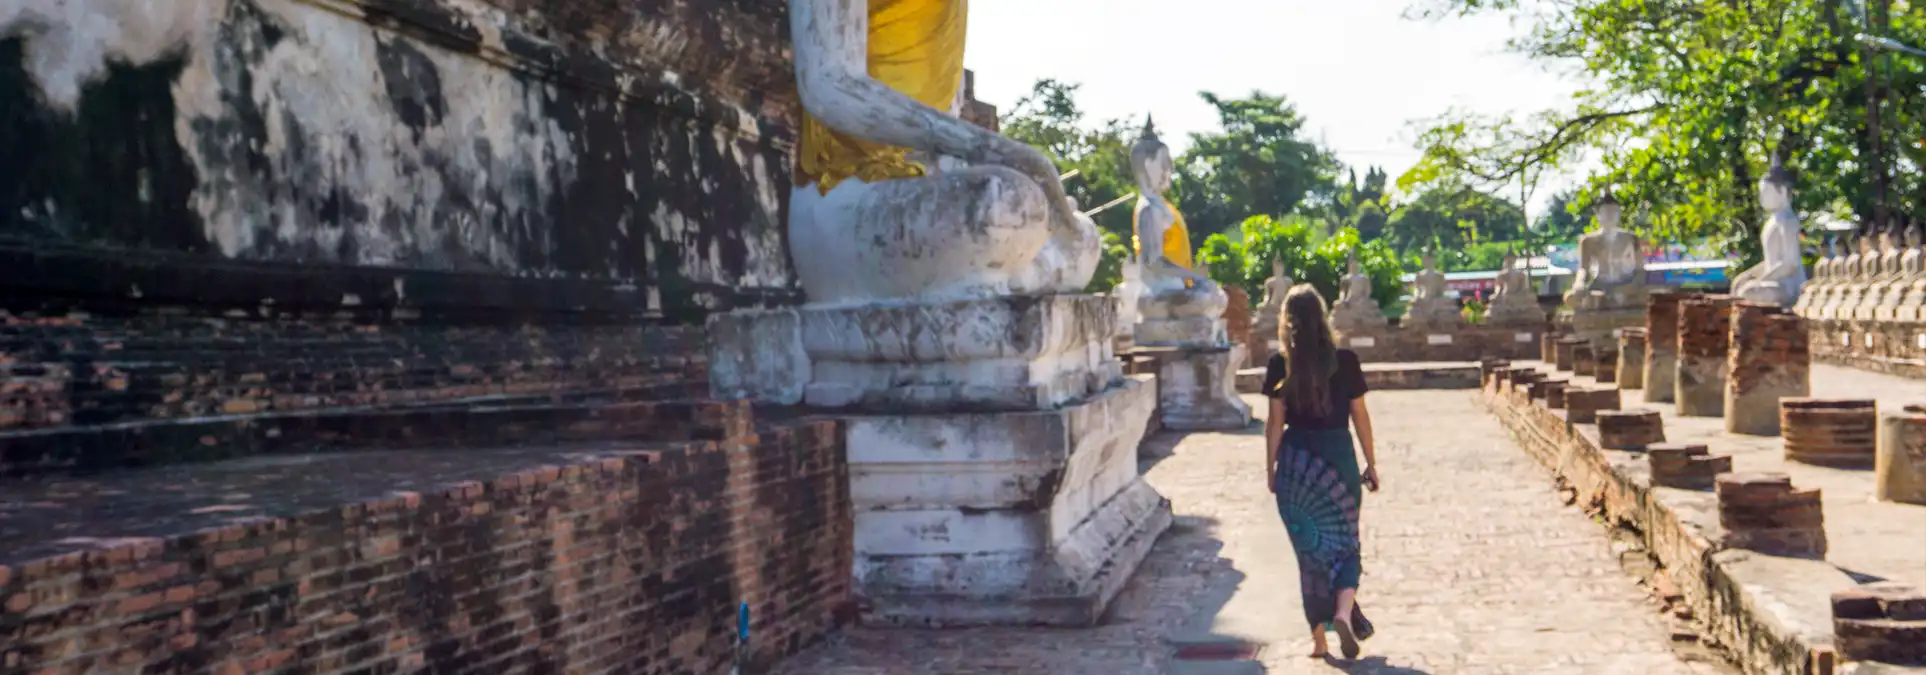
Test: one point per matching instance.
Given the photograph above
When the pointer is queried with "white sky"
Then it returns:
(1356, 69)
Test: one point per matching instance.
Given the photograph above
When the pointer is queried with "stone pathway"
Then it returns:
(1472, 565)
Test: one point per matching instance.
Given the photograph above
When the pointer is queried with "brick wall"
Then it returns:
(1468, 343)
(1879, 346)
(625, 556)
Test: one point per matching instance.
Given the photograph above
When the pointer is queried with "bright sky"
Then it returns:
(1356, 69)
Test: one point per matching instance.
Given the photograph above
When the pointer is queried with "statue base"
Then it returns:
(1004, 518)
(1514, 313)
(1190, 332)
(1600, 326)
(1363, 319)
(992, 448)
(1197, 389)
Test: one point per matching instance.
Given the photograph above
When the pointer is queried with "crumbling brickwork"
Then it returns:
(1629, 429)
(628, 555)
(1768, 361)
(1763, 512)
(1830, 432)
(1687, 466)
(1704, 335)
(1662, 345)
(1883, 622)
(1899, 472)
(1631, 358)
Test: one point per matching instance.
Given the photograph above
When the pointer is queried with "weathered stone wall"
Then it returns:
(603, 153)
(630, 555)
(1893, 347)
(1466, 343)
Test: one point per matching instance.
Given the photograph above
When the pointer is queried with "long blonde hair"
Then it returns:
(1310, 352)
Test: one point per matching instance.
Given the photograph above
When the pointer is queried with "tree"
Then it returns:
(1694, 96)
(1307, 256)
(1453, 218)
(1257, 164)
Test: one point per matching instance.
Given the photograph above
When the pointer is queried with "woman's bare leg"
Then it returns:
(1346, 598)
(1319, 649)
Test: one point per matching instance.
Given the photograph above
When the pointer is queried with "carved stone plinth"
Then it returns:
(1584, 360)
(1763, 512)
(991, 445)
(1183, 332)
(1631, 358)
(1597, 327)
(1882, 622)
(1770, 360)
(1605, 364)
(1566, 355)
(1197, 390)
(1899, 471)
(1629, 429)
(1704, 330)
(1548, 347)
(1542, 388)
(1685, 466)
(1830, 432)
(1662, 345)
(1583, 403)
(1003, 517)
(1555, 394)
(1488, 371)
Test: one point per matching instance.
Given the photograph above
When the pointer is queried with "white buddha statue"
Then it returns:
(1355, 310)
(1276, 288)
(1611, 273)
(1430, 307)
(1778, 278)
(1912, 268)
(1884, 276)
(1512, 301)
(899, 199)
(1127, 293)
(1847, 282)
(1187, 305)
(1813, 294)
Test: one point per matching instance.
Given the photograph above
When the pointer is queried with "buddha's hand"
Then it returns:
(1065, 221)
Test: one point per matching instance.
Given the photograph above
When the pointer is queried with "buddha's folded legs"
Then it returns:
(968, 233)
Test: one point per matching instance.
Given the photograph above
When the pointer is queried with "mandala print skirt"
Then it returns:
(1319, 489)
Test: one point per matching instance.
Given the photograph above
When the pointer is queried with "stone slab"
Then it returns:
(1773, 609)
(1002, 517)
(1197, 390)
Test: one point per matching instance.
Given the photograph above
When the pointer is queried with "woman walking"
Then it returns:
(1317, 395)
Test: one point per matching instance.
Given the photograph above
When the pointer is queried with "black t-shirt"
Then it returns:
(1347, 383)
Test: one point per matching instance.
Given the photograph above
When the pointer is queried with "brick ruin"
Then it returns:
(1768, 360)
(1687, 466)
(1704, 336)
(1631, 358)
(1830, 432)
(1468, 342)
(1662, 346)
(1884, 622)
(467, 436)
(1629, 429)
(1899, 472)
(1763, 512)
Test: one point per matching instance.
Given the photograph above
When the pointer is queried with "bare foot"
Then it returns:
(1320, 654)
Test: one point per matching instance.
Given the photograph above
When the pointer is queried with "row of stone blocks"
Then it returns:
(1762, 512)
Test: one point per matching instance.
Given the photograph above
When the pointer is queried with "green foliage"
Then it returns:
(1453, 218)
(1049, 119)
(1257, 164)
(1307, 256)
(1116, 250)
(1692, 97)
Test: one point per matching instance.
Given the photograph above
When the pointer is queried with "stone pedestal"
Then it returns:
(1830, 432)
(1631, 358)
(1555, 394)
(1629, 429)
(1685, 466)
(1488, 370)
(1584, 360)
(1541, 390)
(1882, 622)
(1583, 403)
(1599, 327)
(1002, 518)
(1661, 346)
(1196, 331)
(1770, 360)
(1899, 471)
(1605, 364)
(1565, 355)
(1763, 512)
(991, 444)
(1704, 329)
(1548, 347)
(1197, 389)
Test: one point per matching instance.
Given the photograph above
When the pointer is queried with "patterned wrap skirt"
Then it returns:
(1319, 491)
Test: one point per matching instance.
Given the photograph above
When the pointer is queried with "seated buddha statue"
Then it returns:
(1813, 295)
(1270, 311)
(1356, 311)
(1173, 289)
(897, 198)
(1779, 277)
(1912, 270)
(1430, 306)
(1886, 274)
(1861, 267)
(1611, 273)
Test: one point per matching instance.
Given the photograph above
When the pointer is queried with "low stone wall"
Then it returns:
(1729, 589)
(1891, 347)
(630, 554)
(1466, 343)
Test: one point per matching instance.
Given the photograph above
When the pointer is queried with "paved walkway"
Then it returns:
(1472, 565)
